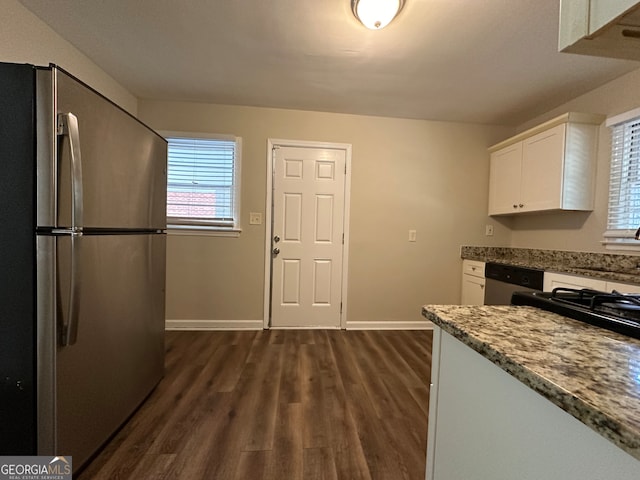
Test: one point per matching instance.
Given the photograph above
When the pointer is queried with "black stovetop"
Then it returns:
(611, 310)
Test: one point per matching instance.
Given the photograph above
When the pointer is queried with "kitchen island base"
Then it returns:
(486, 424)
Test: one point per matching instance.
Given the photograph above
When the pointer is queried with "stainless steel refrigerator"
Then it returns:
(82, 264)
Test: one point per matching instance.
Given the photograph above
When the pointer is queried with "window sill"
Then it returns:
(623, 245)
(202, 231)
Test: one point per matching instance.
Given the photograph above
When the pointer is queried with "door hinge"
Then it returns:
(340, 307)
(343, 238)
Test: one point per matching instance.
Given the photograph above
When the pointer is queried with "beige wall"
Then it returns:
(406, 174)
(24, 38)
(581, 231)
(427, 176)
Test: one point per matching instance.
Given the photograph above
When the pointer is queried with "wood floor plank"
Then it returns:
(252, 465)
(280, 405)
(261, 398)
(195, 400)
(387, 350)
(318, 464)
(202, 450)
(286, 459)
(371, 368)
(233, 359)
(151, 466)
(290, 380)
(380, 457)
(344, 357)
(349, 459)
(415, 348)
(314, 426)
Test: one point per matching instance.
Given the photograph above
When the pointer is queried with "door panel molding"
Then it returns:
(322, 171)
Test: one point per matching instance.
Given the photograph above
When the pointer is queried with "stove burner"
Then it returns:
(611, 310)
(622, 305)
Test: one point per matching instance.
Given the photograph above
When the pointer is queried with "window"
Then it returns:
(203, 182)
(623, 221)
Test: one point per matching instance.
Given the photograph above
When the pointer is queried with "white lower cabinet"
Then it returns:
(485, 424)
(622, 287)
(472, 283)
(554, 280)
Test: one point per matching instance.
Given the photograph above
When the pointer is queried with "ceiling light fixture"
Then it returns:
(376, 14)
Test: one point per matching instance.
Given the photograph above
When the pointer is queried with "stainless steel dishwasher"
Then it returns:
(502, 280)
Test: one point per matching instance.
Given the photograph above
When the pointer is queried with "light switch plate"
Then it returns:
(412, 235)
(255, 218)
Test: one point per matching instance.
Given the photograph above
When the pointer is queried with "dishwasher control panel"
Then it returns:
(526, 277)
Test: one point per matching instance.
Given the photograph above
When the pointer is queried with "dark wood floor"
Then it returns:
(281, 405)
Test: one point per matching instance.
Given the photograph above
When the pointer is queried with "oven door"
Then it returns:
(499, 293)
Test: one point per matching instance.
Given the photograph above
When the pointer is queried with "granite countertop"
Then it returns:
(605, 266)
(592, 374)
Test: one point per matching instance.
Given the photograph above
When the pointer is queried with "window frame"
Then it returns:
(184, 226)
(621, 238)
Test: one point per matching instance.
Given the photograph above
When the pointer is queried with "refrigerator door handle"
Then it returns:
(68, 125)
(70, 322)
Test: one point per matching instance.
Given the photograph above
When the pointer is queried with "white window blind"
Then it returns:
(202, 181)
(624, 184)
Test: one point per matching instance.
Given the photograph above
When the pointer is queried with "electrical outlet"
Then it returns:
(488, 230)
(412, 235)
(255, 218)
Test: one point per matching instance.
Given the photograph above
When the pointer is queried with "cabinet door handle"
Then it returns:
(521, 205)
(515, 206)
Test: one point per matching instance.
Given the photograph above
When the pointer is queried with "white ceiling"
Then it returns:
(484, 61)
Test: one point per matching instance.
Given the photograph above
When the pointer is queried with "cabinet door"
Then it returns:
(602, 12)
(555, 280)
(504, 180)
(485, 424)
(473, 267)
(542, 170)
(622, 287)
(472, 290)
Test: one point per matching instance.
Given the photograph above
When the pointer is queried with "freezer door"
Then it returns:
(122, 163)
(118, 356)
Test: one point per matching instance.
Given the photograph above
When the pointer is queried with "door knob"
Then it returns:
(276, 239)
(276, 251)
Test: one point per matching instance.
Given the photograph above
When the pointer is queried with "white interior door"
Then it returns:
(307, 236)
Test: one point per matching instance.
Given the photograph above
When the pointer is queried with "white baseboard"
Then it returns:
(390, 325)
(259, 325)
(214, 324)
(305, 328)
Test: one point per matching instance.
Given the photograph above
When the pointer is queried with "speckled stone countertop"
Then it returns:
(619, 268)
(592, 374)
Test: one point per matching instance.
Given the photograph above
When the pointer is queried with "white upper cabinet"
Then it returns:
(542, 167)
(504, 179)
(549, 167)
(606, 28)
